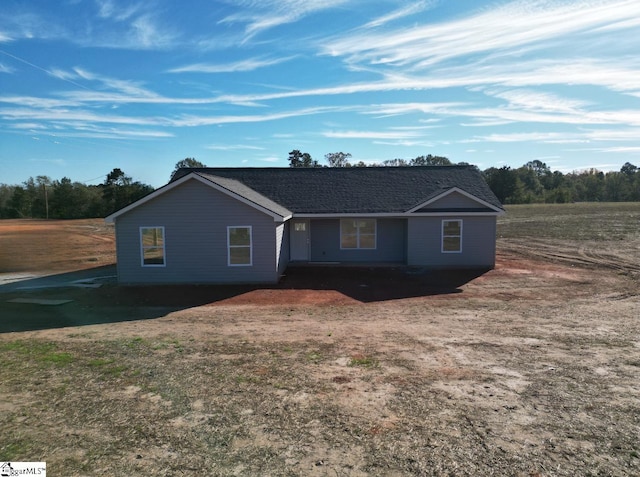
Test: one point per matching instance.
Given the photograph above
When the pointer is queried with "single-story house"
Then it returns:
(247, 225)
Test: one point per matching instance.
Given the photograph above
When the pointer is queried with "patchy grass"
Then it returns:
(39, 352)
(10, 451)
(363, 361)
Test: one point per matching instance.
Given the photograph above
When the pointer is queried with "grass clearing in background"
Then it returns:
(592, 221)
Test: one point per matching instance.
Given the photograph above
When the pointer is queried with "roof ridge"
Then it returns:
(327, 168)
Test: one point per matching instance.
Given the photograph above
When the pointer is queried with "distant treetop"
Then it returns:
(187, 162)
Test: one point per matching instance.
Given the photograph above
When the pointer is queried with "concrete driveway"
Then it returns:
(89, 278)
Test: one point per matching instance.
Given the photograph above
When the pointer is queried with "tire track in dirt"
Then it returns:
(625, 258)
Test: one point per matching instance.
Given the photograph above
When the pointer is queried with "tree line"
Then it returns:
(534, 182)
(63, 199)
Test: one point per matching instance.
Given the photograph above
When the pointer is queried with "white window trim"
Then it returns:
(443, 236)
(375, 235)
(229, 246)
(164, 247)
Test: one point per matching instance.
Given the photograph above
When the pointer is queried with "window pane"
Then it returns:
(153, 256)
(349, 241)
(152, 236)
(367, 226)
(367, 241)
(239, 236)
(240, 255)
(349, 227)
(451, 244)
(300, 226)
(451, 227)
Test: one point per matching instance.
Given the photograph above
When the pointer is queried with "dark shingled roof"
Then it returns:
(355, 190)
(248, 193)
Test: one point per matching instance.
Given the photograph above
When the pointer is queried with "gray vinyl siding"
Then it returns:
(195, 218)
(424, 247)
(390, 242)
(454, 200)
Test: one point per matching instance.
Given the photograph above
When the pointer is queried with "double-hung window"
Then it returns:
(239, 246)
(152, 248)
(358, 233)
(451, 236)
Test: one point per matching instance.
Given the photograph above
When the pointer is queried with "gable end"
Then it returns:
(455, 200)
(279, 216)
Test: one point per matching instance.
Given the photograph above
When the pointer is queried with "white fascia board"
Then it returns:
(455, 214)
(401, 215)
(460, 191)
(191, 176)
(347, 215)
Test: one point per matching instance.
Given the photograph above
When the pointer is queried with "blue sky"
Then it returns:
(90, 85)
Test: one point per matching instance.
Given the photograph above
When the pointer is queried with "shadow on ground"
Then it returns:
(111, 303)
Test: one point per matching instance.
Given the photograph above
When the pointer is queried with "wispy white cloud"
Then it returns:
(126, 87)
(548, 137)
(405, 143)
(119, 90)
(410, 9)
(371, 134)
(510, 26)
(144, 33)
(605, 73)
(115, 134)
(110, 24)
(38, 102)
(233, 147)
(79, 118)
(29, 126)
(65, 115)
(531, 100)
(20, 24)
(395, 109)
(619, 149)
(109, 9)
(126, 25)
(603, 167)
(262, 15)
(6, 69)
(250, 64)
(564, 137)
(194, 121)
(620, 117)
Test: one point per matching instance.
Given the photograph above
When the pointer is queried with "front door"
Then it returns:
(299, 240)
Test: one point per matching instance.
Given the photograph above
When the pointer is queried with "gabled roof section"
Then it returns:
(250, 196)
(431, 204)
(354, 190)
(227, 186)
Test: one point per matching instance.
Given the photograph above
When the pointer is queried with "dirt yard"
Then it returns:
(532, 369)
